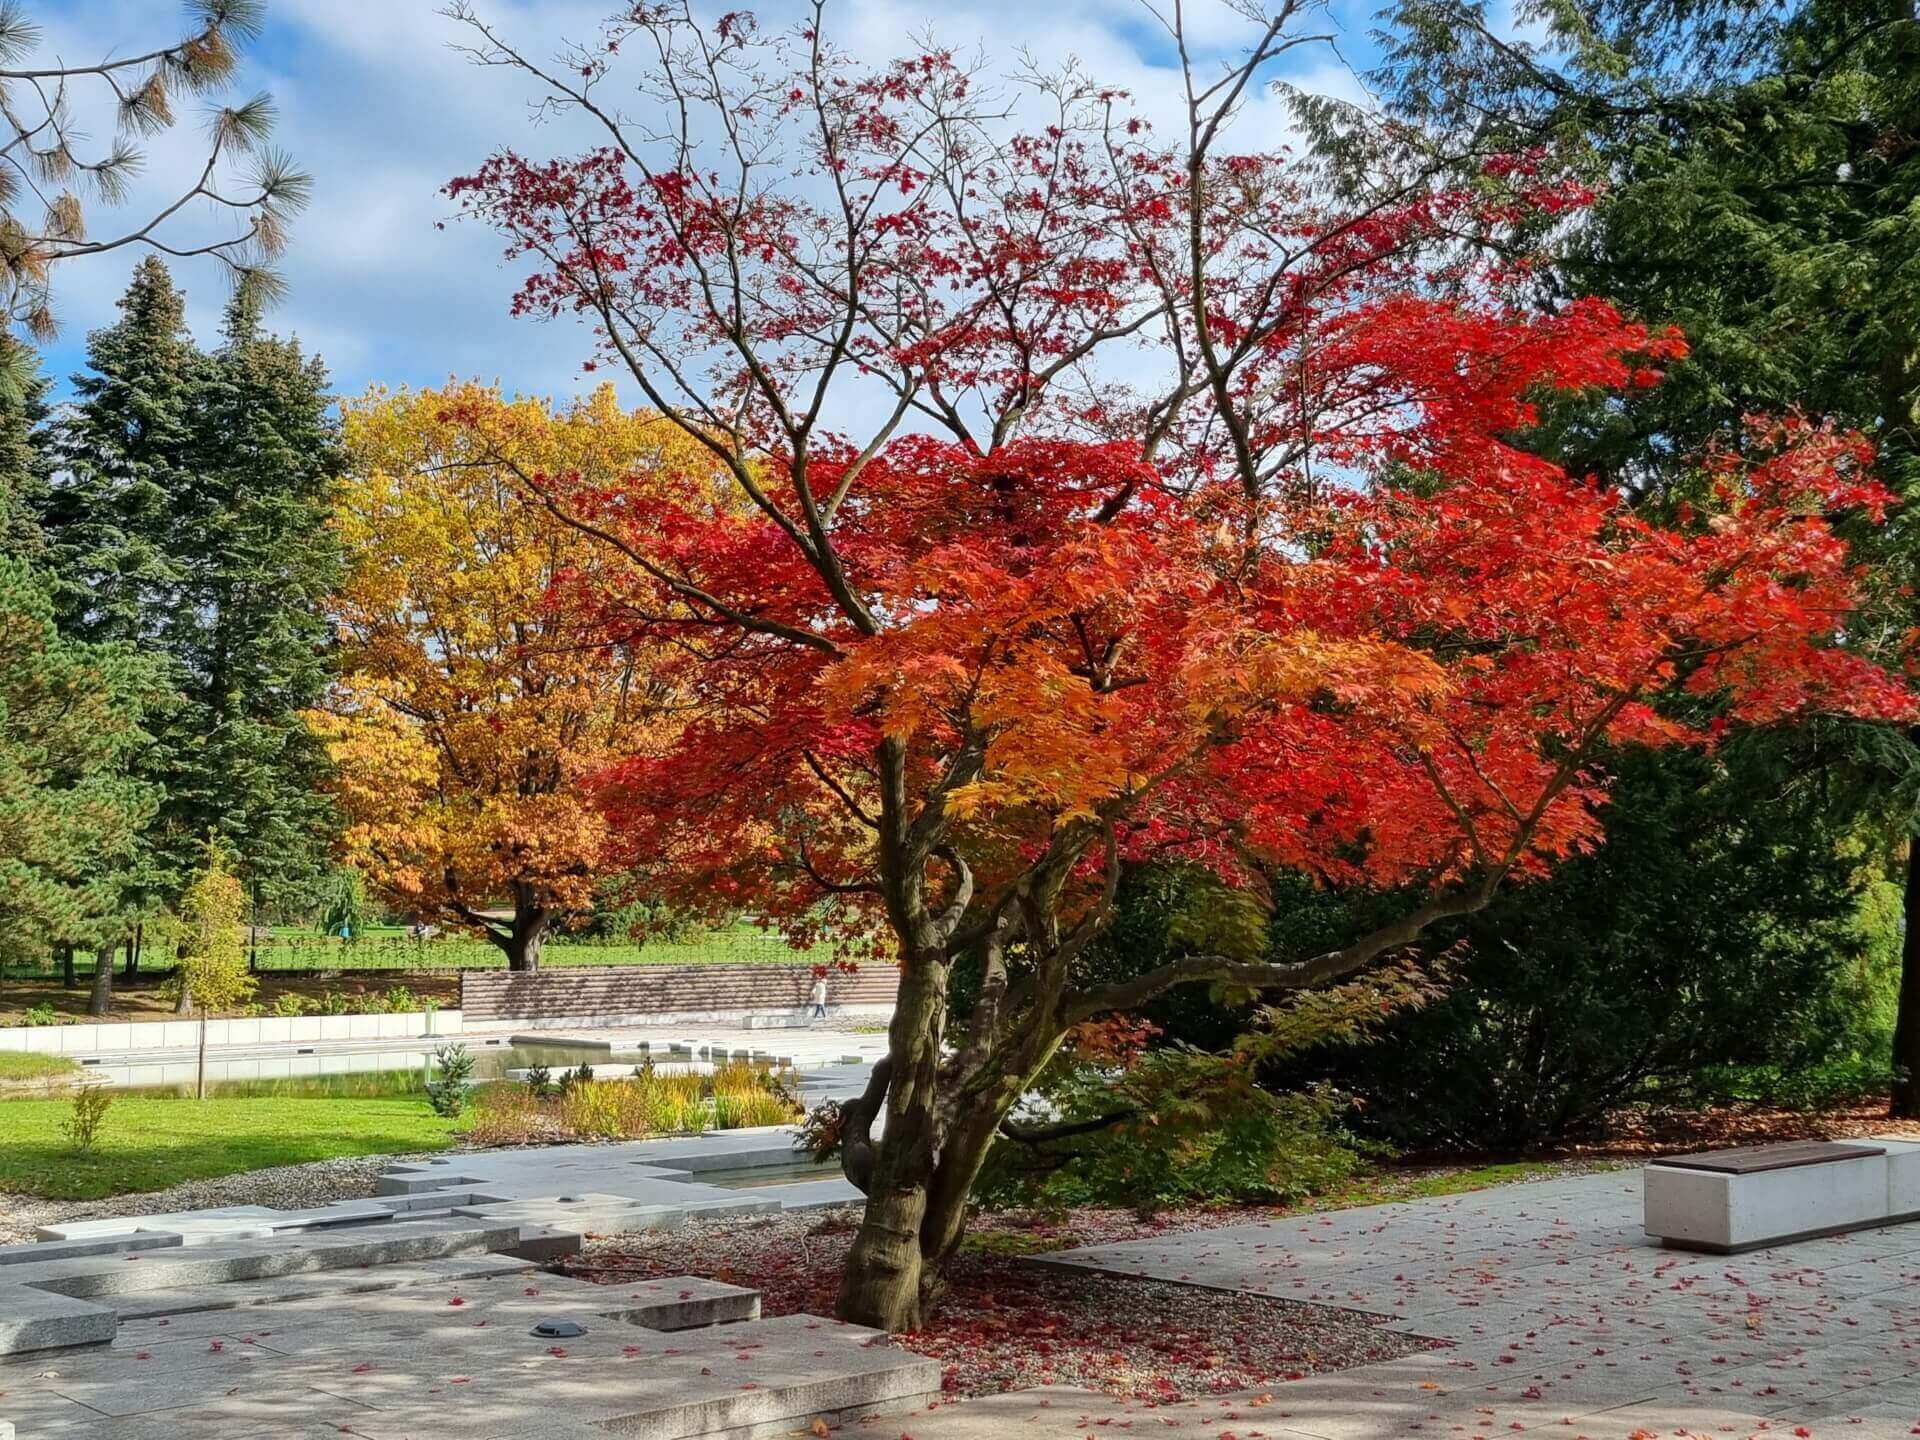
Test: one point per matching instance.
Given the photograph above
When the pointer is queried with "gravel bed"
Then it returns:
(1004, 1324)
(285, 1187)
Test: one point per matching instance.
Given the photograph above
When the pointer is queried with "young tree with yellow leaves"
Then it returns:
(212, 973)
(472, 706)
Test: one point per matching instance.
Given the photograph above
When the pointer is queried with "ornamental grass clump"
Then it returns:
(648, 1102)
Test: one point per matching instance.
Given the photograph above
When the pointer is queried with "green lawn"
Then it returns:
(387, 947)
(149, 1143)
(19, 1065)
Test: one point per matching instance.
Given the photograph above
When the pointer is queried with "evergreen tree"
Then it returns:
(125, 450)
(23, 462)
(258, 562)
(1758, 171)
(188, 516)
(71, 807)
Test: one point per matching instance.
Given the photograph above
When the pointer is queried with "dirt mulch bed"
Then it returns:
(1006, 1324)
(1643, 1133)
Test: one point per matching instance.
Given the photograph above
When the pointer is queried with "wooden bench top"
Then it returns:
(1789, 1155)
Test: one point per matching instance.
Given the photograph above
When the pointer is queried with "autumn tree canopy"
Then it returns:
(475, 694)
(1104, 496)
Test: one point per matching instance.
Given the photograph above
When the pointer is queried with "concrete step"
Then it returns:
(89, 1277)
(37, 1251)
(756, 1378)
(35, 1320)
(234, 1222)
(326, 1285)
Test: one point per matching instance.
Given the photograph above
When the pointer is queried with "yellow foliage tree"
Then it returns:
(473, 700)
(213, 958)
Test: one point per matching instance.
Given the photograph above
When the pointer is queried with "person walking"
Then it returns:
(818, 999)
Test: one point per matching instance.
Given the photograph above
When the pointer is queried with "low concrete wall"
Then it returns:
(136, 1070)
(668, 994)
(115, 1036)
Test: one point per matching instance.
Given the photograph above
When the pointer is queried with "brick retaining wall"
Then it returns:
(631, 992)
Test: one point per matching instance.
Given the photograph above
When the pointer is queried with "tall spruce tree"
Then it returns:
(187, 517)
(125, 451)
(253, 638)
(72, 807)
(1758, 169)
(24, 465)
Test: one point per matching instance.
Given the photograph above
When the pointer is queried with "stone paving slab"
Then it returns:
(328, 1285)
(35, 1320)
(227, 1222)
(1563, 1318)
(38, 1251)
(93, 1277)
(454, 1358)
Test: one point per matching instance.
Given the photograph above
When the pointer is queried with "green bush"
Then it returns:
(41, 1014)
(1729, 926)
(90, 1106)
(1195, 1129)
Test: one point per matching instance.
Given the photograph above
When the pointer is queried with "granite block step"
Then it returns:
(234, 1222)
(35, 1320)
(36, 1251)
(260, 1259)
(756, 1378)
(327, 1285)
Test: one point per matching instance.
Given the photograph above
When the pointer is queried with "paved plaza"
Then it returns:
(1559, 1315)
(1562, 1317)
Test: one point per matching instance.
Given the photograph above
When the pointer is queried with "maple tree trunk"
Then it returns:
(882, 1283)
(530, 923)
(924, 1165)
(1906, 1027)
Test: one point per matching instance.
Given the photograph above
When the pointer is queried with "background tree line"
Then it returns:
(168, 552)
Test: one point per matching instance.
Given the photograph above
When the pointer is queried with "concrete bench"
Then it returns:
(1726, 1201)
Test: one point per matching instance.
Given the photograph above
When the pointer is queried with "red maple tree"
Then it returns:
(1188, 519)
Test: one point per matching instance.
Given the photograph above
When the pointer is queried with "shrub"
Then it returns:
(41, 1014)
(647, 1103)
(742, 1112)
(399, 1000)
(1191, 1127)
(509, 1115)
(447, 1090)
(1726, 924)
(291, 1004)
(90, 1106)
(539, 1081)
(593, 1110)
(213, 970)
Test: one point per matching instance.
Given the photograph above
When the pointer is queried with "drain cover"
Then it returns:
(558, 1330)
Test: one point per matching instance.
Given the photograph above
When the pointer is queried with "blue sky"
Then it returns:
(381, 111)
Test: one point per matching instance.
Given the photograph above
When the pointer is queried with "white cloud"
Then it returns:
(378, 106)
